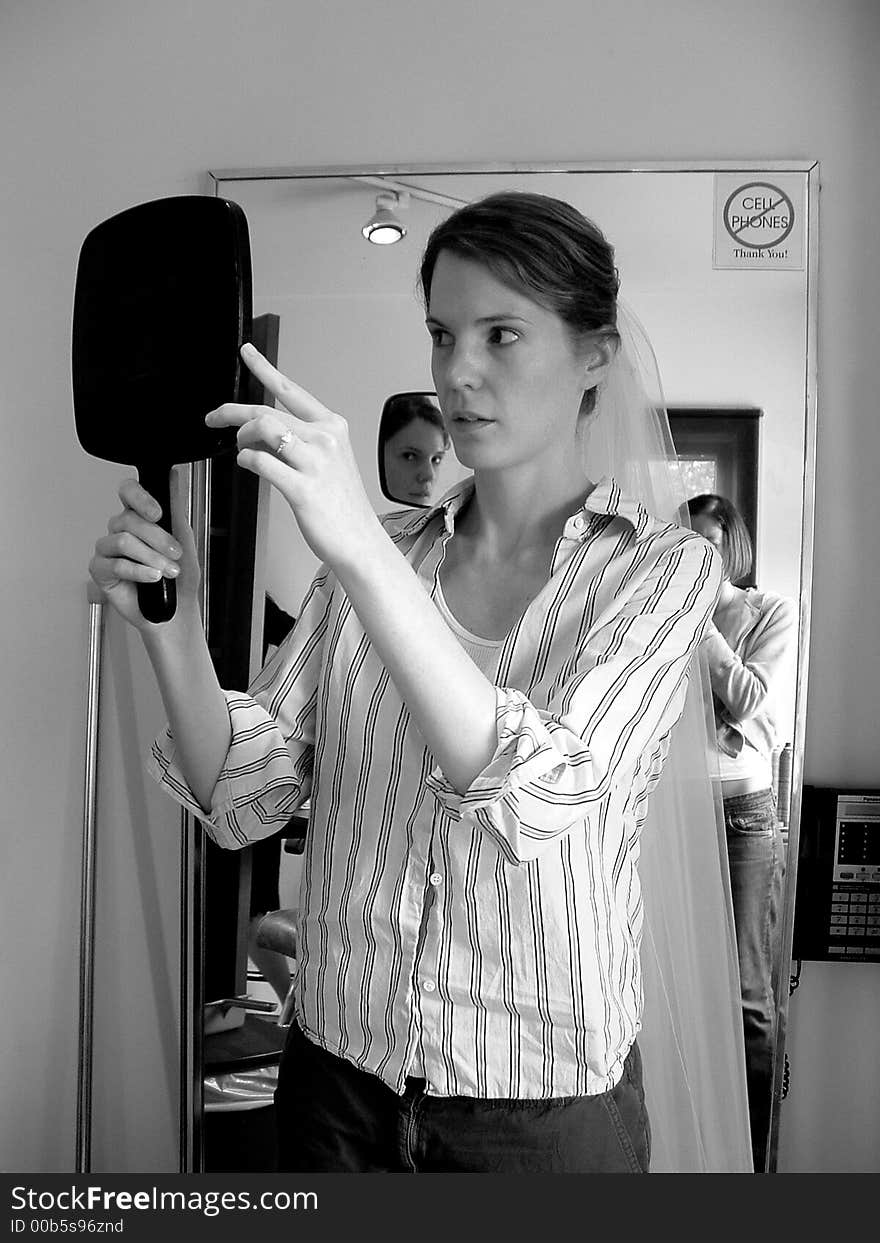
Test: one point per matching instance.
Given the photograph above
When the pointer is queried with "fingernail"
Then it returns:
(247, 348)
(155, 575)
(172, 570)
(173, 550)
(155, 512)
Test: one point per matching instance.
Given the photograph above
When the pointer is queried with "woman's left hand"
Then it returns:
(304, 451)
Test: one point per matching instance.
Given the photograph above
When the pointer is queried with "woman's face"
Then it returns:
(413, 456)
(507, 373)
(710, 529)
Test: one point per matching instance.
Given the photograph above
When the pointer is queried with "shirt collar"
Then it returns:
(415, 520)
(608, 498)
(605, 498)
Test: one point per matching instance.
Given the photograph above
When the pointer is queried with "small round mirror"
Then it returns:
(416, 461)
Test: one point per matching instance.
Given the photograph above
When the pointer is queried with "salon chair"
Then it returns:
(242, 1064)
(239, 1088)
(277, 931)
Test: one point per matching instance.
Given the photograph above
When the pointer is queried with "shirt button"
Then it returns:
(435, 878)
(428, 986)
(578, 522)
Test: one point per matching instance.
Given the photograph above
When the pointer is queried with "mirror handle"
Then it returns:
(158, 601)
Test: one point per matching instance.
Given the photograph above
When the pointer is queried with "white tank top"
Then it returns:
(483, 652)
(750, 763)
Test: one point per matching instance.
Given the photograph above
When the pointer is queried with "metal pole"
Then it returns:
(87, 903)
(192, 880)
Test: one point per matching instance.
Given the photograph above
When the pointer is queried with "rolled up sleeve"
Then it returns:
(267, 773)
(625, 691)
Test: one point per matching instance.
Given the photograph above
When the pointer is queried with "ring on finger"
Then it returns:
(286, 439)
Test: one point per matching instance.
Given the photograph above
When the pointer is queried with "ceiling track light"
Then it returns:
(407, 190)
(384, 228)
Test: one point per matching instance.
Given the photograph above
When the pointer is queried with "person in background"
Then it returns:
(750, 645)
(414, 442)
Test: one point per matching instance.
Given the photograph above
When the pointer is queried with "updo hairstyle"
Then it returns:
(542, 247)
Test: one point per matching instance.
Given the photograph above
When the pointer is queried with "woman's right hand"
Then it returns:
(137, 550)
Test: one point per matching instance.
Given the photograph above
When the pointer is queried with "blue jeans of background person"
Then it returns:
(334, 1118)
(754, 851)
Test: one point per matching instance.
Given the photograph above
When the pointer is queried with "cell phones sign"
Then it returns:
(759, 223)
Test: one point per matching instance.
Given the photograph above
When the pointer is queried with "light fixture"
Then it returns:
(383, 227)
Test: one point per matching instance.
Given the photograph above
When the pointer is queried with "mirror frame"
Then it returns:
(192, 853)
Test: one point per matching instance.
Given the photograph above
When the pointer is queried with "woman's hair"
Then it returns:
(540, 246)
(400, 411)
(736, 543)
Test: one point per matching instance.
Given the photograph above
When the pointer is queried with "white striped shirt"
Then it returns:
(523, 979)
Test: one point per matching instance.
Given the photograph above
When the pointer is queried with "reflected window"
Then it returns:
(717, 449)
(698, 475)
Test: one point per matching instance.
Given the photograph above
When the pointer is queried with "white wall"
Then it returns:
(104, 104)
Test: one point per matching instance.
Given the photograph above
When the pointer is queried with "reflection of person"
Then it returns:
(414, 443)
(750, 645)
(478, 708)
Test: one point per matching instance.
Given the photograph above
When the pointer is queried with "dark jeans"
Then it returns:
(335, 1118)
(754, 851)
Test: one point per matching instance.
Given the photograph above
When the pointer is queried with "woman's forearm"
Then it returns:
(744, 683)
(452, 703)
(195, 705)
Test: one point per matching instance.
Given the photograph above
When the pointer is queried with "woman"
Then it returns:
(750, 645)
(413, 444)
(477, 698)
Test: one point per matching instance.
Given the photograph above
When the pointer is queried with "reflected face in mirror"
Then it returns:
(507, 371)
(413, 457)
(719, 521)
(413, 446)
(704, 524)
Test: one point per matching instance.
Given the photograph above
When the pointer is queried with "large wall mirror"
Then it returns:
(350, 329)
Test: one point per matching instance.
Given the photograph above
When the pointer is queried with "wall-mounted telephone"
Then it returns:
(837, 906)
